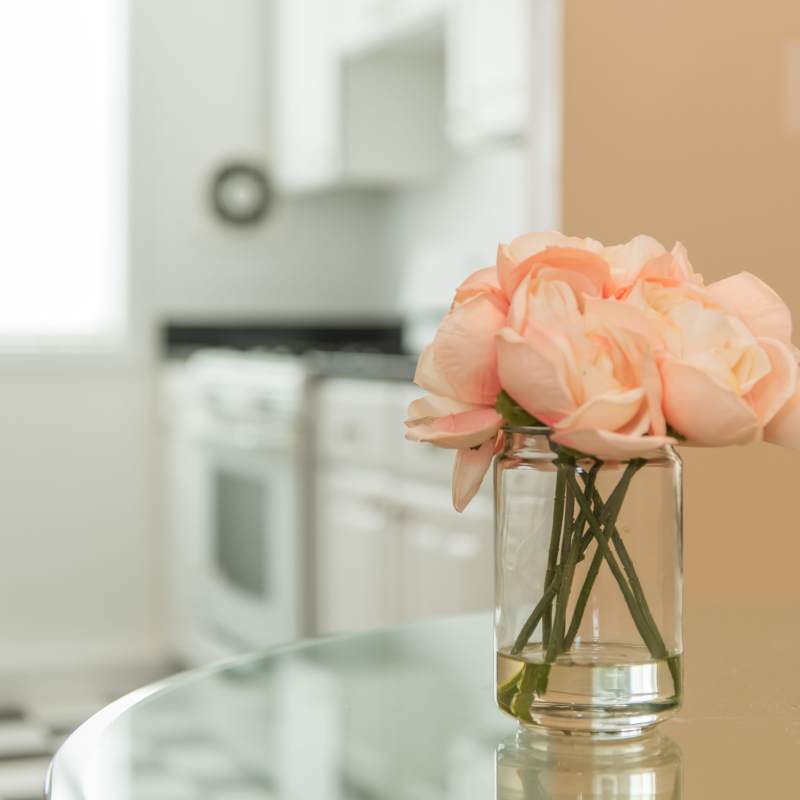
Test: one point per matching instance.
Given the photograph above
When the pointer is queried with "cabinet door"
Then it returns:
(488, 69)
(351, 423)
(445, 563)
(307, 102)
(356, 539)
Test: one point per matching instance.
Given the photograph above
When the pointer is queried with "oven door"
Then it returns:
(251, 531)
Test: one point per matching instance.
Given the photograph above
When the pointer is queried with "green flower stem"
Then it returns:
(580, 522)
(506, 691)
(552, 555)
(557, 634)
(603, 543)
(532, 683)
(636, 586)
(608, 515)
(583, 598)
(533, 620)
(568, 562)
(569, 514)
(627, 562)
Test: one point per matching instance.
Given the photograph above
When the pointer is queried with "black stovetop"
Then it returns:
(181, 339)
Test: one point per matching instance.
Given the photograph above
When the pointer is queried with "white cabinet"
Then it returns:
(370, 93)
(356, 551)
(389, 547)
(445, 559)
(306, 93)
(379, 24)
(344, 116)
(489, 56)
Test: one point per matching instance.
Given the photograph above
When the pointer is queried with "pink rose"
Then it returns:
(576, 261)
(724, 380)
(767, 316)
(722, 384)
(596, 384)
(459, 370)
(645, 259)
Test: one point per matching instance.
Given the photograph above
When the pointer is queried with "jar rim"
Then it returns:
(545, 431)
(530, 430)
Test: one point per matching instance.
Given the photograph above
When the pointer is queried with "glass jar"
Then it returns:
(588, 617)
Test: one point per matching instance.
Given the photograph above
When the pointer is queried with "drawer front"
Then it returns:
(350, 420)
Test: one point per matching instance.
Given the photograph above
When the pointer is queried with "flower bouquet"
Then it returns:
(580, 366)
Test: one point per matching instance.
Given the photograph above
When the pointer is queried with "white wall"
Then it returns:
(440, 233)
(202, 96)
(77, 576)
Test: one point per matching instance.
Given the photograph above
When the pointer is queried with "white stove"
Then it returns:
(239, 436)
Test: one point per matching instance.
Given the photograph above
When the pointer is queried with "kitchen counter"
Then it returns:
(408, 713)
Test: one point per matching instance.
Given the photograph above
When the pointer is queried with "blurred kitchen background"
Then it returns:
(228, 226)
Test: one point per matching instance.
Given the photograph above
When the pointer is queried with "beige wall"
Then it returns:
(677, 124)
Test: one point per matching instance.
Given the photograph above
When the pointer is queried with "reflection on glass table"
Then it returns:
(533, 767)
(407, 714)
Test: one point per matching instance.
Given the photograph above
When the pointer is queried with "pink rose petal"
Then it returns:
(532, 373)
(431, 406)
(774, 390)
(455, 431)
(606, 412)
(583, 262)
(784, 429)
(608, 446)
(465, 350)
(429, 378)
(513, 260)
(469, 470)
(705, 411)
(626, 260)
(758, 305)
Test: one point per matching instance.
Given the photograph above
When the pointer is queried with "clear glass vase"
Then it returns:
(588, 618)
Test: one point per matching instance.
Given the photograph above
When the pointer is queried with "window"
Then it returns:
(63, 153)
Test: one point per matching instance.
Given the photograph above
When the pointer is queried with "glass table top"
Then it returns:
(408, 714)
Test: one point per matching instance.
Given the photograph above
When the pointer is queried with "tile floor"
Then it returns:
(173, 759)
(30, 734)
(39, 711)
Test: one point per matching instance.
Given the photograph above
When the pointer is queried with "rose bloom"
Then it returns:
(645, 260)
(727, 363)
(459, 370)
(606, 345)
(724, 351)
(595, 383)
(730, 368)
(553, 256)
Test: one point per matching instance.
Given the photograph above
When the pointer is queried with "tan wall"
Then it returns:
(676, 124)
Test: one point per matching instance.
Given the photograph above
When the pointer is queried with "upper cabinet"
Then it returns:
(386, 24)
(307, 94)
(489, 65)
(373, 93)
(348, 113)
